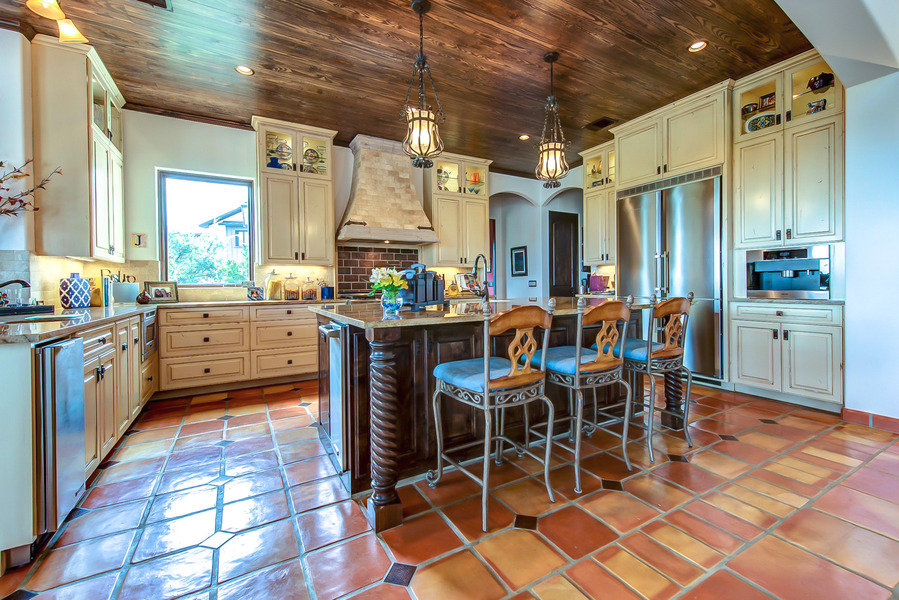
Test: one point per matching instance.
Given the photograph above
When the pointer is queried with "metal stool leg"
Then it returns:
(485, 491)
(627, 421)
(549, 443)
(571, 413)
(527, 430)
(652, 410)
(577, 441)
(500, 431)
(434, 476)
(687, 406)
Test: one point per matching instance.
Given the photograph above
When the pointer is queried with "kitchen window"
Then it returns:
(206, 228)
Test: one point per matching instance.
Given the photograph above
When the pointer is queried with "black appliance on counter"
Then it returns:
(426, 288)
(794, 273)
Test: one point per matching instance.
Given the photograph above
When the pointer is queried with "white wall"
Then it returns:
(16, 233)
(517, 224)
(872, 246)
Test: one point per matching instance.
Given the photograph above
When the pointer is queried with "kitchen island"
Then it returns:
(385, 370)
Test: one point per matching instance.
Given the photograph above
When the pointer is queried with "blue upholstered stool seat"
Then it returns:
(561, 358)
(635, 349)
(469, 374)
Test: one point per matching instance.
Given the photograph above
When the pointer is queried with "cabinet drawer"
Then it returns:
(815, 314)
(182, 341)
(203, 370)
(278, 363)
(99, 339)
(203, 316)
(149, 379)
(284, 335)
(281, 313)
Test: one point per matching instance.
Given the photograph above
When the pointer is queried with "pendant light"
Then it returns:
(422, 141)
(551, 163)
(46, 8)
(68, 33)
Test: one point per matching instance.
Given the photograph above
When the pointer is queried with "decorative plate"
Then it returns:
(760, 121)
(310, 169)
(311, 156)
(283, 151)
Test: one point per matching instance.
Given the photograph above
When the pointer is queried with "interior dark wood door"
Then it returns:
(563, 253)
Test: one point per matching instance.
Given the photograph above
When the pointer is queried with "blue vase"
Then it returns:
(74, 292)
(391, 302)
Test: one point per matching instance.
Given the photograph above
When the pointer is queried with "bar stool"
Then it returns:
(493, 383)
(577, 369)
(669, 318)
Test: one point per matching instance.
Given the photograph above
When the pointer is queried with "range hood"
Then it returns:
(383, 206)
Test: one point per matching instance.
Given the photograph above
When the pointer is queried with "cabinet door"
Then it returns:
(280, 230)
(755, 354)
(123, 378)
(108, 398)
(476, 228)
(449, 231)
(758, 107)
(317, 223)
(116, 205)
(805, 103)
(91, 415)
(594, 227)
(758, 192)
(134, 360)
(694, 136)
(277, 151)
(812, 365)
(637, 151)
(100, 204)
(813, 181)
(610, 243)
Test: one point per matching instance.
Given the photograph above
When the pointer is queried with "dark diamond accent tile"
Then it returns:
(768, 421)
(400, 574)
(526, 522)
(677, 458)
(78, 512)
(109, 463)
(224, 443)
(305, 404)
(733, 438)
(226, 418)
(608, 484)
(20, 595)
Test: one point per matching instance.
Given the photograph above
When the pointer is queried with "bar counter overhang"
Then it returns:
(388, 365)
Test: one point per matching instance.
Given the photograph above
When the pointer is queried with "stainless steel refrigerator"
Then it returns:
(669, 244)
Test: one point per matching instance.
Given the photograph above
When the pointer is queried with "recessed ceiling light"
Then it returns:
(524, 137)
(697, 46)
(244, 70)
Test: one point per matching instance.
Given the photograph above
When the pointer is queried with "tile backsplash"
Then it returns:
(354, 264)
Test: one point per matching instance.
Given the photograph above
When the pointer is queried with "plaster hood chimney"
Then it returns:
(383, 206)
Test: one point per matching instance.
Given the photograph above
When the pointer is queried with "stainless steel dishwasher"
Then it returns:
(59, 431)
(332, 403)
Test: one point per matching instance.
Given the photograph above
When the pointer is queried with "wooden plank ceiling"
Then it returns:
(345, 64)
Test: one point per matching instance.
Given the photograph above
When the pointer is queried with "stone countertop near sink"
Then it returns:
(371, 316)
(85, 318)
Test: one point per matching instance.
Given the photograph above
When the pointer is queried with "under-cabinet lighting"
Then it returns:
(68, 33)
(46, 8)
(244, 70)
(697, 46)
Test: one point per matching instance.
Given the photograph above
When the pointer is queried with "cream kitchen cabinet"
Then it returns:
(296, 220)
(775, 348)
(82, 210)
(600, 228)
(685, 136)
(788, 186)
(128, 397)
(462, 225)
(599, 167)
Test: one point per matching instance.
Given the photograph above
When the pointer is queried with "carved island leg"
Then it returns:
(384, 509)
(674, 397)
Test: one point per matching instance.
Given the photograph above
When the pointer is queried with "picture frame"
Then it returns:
(767, 101)
(162, 292)
(255, 293)
(519, 262)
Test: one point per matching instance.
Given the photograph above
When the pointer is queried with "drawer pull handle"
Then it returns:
(102, 340)
(289, 333)
(289, 361)
(124, 346)
(779, 313)
(207, 370)
(136, 340)
(205, 339)
(150, 378)
(290, 312)
(205, 315)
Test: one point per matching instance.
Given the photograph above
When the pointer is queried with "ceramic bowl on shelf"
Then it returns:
(760, 121)
(750, 108)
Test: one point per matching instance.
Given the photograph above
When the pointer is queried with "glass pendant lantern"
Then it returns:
(551, 162)
(422, 142)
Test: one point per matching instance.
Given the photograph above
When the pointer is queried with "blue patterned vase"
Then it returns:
(74, 292)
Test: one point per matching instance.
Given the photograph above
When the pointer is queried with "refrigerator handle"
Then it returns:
(658, 277)
(666, 273)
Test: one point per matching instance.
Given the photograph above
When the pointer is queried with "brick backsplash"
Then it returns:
(354, 264)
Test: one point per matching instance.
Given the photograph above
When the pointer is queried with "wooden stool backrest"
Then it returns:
(610, 314)
(523, 319)
(671, 316)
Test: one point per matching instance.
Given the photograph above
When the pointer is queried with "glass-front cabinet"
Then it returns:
(760, 107)
(456, 176)
(814, 91)
(286, 149)
(599, 167)
(447, 176)
(106, 109)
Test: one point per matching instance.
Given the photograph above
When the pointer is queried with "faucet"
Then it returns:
(483, 289)
(21, 282)
(3, 296)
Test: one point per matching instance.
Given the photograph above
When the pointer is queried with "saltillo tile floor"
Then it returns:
(230, 496)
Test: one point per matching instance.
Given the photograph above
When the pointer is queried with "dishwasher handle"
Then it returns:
(329, 331)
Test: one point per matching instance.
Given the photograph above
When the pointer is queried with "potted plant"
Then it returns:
(389, 282)
(14, 204)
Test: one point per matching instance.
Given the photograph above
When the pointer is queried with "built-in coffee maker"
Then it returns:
(791, 273)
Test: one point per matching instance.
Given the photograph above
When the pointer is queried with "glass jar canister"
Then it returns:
(310, 290)
(272, 286)
(291, 288)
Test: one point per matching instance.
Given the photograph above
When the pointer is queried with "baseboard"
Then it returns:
(860, 417)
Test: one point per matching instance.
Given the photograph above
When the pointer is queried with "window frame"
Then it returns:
(164, 174)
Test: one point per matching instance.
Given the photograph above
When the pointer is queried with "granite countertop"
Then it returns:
(371, 316)
(85, 318)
